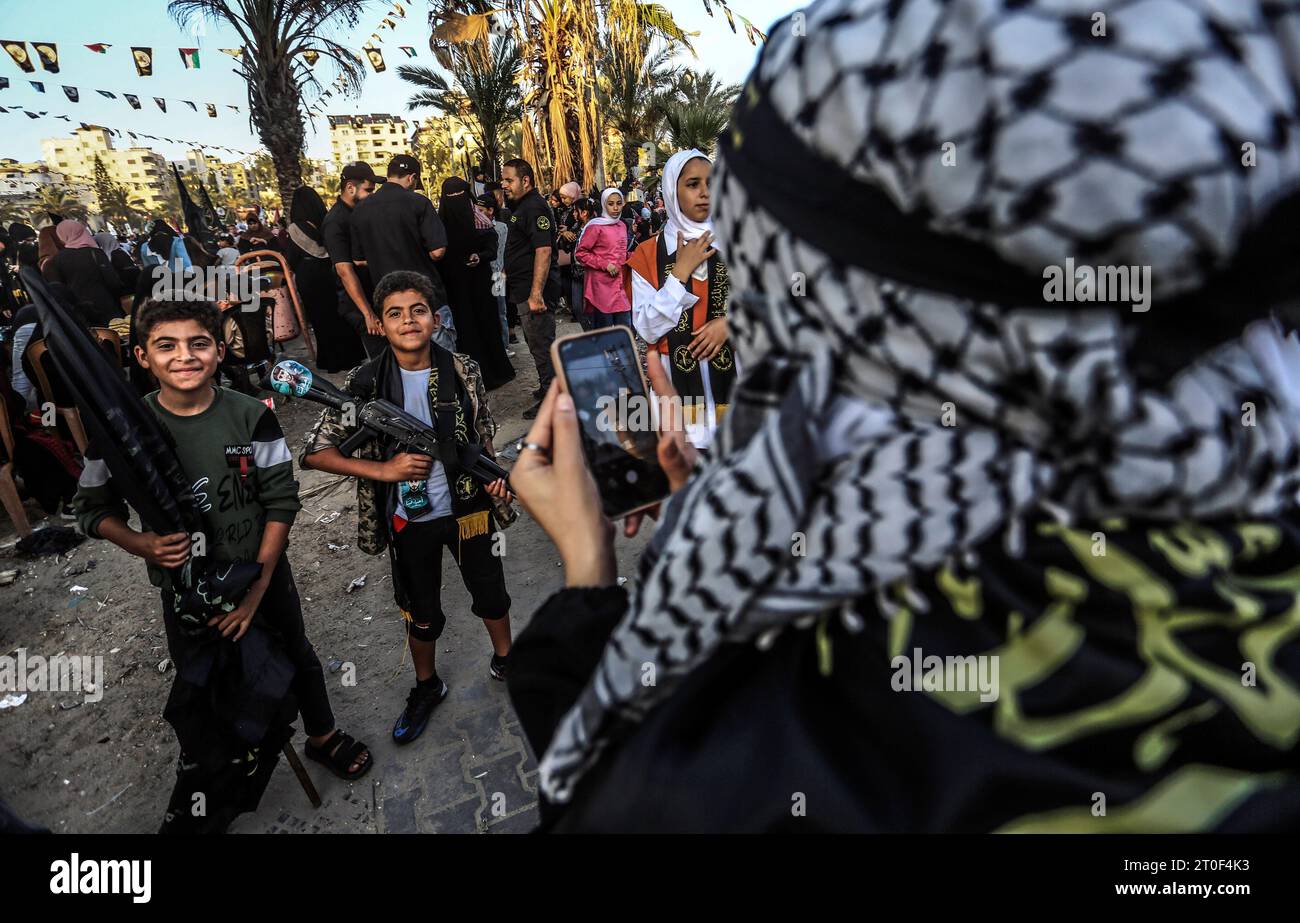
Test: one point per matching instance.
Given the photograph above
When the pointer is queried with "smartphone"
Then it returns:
(602, 373)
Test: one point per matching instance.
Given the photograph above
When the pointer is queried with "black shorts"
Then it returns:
(417, 556)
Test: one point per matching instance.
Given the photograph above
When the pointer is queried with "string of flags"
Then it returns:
(47, 54)
(373, 54)
(751, 30)
(132, 99)
(118, 133)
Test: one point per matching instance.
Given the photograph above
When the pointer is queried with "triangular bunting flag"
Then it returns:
(409, 49)
(212, 110)
(4, 83)
(190, 58)
(106, 94)
(397, 8)
(388, 22)
(235, 108)
(48, 52)
(31, 115)
(143, 60)
(376, 37)
(190, 104)
(236, 53)
(161, 103)
(18, 51)
(37, 86)
(64, 117)
(99, 48)
(731, 22)
(73, 94)
(132, 99)
(131, 134)
(310, 57)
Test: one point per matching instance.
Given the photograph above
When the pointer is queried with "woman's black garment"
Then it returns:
(828, 730)
(337, 346)
(92, 279)
(469, 288)
(127, 269)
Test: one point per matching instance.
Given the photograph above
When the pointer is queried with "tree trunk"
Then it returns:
(278, 121)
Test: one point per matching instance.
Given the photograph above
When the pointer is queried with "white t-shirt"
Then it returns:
(226, 256)
(415, 401)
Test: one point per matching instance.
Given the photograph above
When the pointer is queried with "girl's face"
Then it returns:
(693, 189)
(614, 205)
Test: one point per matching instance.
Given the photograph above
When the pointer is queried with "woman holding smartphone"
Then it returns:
(965, 556)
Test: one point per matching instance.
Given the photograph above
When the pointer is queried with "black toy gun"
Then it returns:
(379, 416)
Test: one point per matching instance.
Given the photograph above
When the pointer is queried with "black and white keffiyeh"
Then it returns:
(909, 392)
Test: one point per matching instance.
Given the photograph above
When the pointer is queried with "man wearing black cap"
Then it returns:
(355, 184)
(395, 229)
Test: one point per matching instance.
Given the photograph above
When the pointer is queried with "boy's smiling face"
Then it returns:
(409, 322)
(181, 355)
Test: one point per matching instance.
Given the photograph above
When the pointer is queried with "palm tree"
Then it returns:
(633, 97)
(485, 89)
(274, 35)
(562, 44)
(700, 112)
(59, 200)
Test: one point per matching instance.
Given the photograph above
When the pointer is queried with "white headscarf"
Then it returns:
(676, 220)
(604, 217)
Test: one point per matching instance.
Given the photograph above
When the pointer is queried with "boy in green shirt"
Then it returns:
(233, 451)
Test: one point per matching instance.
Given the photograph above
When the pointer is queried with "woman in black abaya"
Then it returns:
(466, 271)
(337, 345)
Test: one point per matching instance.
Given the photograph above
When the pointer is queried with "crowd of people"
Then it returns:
(895, 447)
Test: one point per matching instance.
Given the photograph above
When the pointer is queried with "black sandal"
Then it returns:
(338, 753)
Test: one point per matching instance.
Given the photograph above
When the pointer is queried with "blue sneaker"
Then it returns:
(420, 704)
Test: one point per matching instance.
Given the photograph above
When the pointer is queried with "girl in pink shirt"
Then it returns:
(602, 249)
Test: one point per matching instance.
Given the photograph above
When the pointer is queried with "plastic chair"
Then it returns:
(285, 325)
(50, 387)
(13, 503)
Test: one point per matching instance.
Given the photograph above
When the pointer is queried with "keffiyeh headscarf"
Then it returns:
(913, 388)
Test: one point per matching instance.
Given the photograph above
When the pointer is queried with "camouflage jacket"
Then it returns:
(372, 531)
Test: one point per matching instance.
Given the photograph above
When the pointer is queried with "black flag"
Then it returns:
(194, 219)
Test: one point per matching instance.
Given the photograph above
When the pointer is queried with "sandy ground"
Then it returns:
(74, 765)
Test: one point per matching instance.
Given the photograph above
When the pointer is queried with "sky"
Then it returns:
(72, 24)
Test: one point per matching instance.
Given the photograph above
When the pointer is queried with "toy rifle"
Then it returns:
(382, 417)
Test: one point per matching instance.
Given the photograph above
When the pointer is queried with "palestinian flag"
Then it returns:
(409, 49)
(190, 58)
(212, 110)
(73, 94)
(162, 103)
(133, 100)
(143, 60)
(48, 52)
(99, 48)
(18, 51)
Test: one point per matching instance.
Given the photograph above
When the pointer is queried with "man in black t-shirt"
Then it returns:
(530, 242)
(396, 229)
(356, 183)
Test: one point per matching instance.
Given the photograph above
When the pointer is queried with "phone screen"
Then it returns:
(603, 375)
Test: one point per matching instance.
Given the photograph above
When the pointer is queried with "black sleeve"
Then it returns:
(112, 281)
(336, 242)
(541, 228)
(433, 236)
(554, 657)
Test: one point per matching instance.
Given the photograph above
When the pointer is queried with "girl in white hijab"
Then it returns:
(680, 293)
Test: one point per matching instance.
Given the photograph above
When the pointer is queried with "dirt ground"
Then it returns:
(72, 765)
